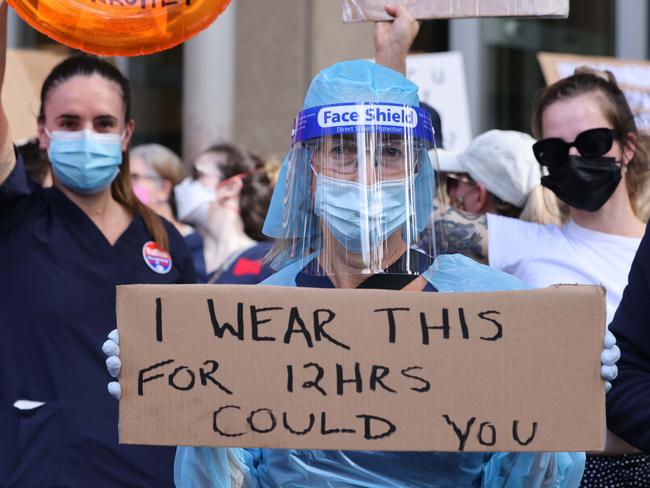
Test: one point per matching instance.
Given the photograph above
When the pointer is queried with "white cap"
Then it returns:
(502, 161)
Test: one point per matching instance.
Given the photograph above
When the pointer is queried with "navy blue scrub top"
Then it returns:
(628, 402)
(245, 268)
(57, 304)
(194, 242)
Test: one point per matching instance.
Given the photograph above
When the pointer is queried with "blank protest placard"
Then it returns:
(632, 76)
(258, 366)
(373, 10)
(26, 71)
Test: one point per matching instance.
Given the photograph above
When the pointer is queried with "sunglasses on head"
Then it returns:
(591, 143)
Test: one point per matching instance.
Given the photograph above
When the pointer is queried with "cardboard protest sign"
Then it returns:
(373, 10)
(257, 366)
(632, 76)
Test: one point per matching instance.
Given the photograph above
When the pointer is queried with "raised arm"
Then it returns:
(462, 232)
(393, 39)
(7, 157)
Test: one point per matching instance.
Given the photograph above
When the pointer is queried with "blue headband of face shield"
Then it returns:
(411, 123)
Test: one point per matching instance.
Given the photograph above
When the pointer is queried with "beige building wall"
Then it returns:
(280, 45)
(334, 41)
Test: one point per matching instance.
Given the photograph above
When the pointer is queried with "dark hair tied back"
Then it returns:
(255, 195)
(86, 65)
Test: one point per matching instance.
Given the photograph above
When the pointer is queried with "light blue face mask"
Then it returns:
(361, 217)
(84, 161)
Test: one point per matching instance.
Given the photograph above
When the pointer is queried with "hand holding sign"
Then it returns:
(368, 10)
(113, 364)
(120, 28)
(393, 39)
(608, 359)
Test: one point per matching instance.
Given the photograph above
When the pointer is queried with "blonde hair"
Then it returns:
(543, 207)
(162, 160)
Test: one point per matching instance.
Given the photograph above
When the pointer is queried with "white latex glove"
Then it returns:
(113, 364)
(608, 358)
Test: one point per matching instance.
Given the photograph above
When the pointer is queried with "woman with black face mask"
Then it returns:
(591, 157)
(593, 160)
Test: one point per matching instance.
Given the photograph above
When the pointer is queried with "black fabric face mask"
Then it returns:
(584, 183)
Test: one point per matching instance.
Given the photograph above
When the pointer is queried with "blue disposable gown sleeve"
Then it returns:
(534, 469)
(458, 273)
(214, 467)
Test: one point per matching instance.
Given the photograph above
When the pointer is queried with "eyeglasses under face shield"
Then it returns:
(363, 178)
(370, 157)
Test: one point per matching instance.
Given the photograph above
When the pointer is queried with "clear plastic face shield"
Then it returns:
(360, 188)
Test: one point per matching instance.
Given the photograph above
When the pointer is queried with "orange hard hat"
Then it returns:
(119, 27)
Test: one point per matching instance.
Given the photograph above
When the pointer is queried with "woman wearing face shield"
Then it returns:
(353, 194)
(62, 252)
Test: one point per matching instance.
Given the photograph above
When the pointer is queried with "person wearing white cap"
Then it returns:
(498, 173)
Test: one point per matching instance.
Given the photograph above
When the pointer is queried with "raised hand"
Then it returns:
(394, 39)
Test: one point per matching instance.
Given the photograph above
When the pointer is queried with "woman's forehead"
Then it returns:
(85, 96)
(569, 117)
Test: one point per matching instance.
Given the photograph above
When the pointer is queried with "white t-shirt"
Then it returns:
(543, 255)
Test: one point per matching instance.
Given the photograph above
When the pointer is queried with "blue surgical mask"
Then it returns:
(84, 161)
(361, 217)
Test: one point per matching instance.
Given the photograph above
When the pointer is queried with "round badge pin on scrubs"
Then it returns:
(156, 258)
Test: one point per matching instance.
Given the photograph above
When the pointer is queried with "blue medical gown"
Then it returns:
(209, 467)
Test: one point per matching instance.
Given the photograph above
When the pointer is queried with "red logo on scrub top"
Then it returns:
(247, 267)
(156, 258)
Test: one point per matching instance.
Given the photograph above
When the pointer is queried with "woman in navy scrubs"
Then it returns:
(62, 252)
